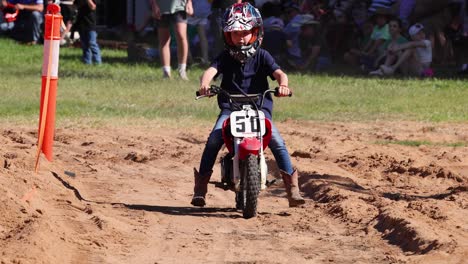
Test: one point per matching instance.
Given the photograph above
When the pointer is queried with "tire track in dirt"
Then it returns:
(369, 203)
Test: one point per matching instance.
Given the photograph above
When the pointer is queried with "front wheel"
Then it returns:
(251, 186)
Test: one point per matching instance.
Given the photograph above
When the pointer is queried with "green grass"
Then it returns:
(417, 143)
(120, 91)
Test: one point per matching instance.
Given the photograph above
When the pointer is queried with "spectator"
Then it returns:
(292, 31)
(379, 36)
(414, 57)
(380, 4)
(313, 7)
(405, 10)
(86, 26)
(8, 15)
(395, 27)
(364, 37)
(218, 8)
(201, 11)
(27, 26)
(274, 39)
(173, 12)
(69, 12)
(314, 52)
(340, 33)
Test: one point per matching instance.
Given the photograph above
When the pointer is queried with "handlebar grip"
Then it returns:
(277, 92)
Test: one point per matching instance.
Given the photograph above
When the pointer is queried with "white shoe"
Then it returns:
(387, 70)
(166, 75)
(377, 72)
(183, 75)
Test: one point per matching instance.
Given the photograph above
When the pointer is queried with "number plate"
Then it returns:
(247, 124)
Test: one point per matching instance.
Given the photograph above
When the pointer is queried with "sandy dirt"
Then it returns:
(122, 195)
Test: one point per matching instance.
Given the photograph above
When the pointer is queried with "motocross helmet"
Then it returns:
(242, 17)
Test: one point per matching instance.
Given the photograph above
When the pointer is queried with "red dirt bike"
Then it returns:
(246, 134)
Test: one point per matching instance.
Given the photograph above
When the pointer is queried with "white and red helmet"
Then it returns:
(242, 17)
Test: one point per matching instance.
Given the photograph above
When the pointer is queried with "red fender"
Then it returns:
(248, 146)
(229, 142)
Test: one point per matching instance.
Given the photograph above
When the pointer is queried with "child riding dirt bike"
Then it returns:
(244, 65)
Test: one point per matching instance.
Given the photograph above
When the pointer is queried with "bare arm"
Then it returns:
(91, 4)
(282, 79)
(189, 8)
(32, 7)
(156, 12)
(205, 80)
(411, 44)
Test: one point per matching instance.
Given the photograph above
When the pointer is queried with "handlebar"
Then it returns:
(215, 90)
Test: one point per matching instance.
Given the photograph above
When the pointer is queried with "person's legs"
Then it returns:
(182, 48)
(216, 19)
(402, 57)
(213, 145)
(165, 49)
(94, 47)
(279, 150)
(289, 175)
(202, 177)
(87, 54)
(6, 27)
(37, 20)
(203, 42)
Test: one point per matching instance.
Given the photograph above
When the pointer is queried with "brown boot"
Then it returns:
(292, 188)
(201, 187)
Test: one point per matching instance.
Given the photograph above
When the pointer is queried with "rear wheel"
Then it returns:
(251, 186)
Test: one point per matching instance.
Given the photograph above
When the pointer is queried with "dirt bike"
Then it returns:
(246, 134)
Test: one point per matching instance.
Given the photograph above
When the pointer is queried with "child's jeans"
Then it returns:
(90, 47)
(215, 142)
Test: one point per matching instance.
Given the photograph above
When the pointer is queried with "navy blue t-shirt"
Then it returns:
(250, 76)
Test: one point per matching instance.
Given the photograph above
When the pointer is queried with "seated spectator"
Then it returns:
(340, 34)
(364, 37)
(274, 39)
(380, 4)
(8, 15)
(379, 36)
(314, 52)
(27, 26)
(292, 30)
(395, 27)
(414, 57)
(313, 7)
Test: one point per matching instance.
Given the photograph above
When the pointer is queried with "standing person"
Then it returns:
(201, 11)
(218, 8)
(86, 25)
(173, 12)
(27, 26)
(68, 10)
(244, 64)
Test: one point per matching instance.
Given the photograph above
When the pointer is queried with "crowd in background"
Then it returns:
(380, 37)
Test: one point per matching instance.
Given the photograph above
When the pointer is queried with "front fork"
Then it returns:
(236, 172)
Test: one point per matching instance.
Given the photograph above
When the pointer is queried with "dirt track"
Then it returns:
(121, 195)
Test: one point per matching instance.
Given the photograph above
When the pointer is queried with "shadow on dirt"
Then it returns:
(309, 180)
(170, 210)
(438, 196)
(185, 210)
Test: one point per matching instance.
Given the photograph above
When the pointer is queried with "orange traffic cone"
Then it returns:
(53, 21)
